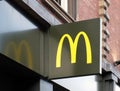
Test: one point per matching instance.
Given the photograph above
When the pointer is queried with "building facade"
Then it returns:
(33, 26)
(108, 11)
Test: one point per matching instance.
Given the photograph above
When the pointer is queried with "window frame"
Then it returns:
(58, 11)
(72, 9)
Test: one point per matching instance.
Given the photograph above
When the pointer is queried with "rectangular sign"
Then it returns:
(75, 49)
(24, 48)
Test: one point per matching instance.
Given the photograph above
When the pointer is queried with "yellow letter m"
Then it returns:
(73, 48)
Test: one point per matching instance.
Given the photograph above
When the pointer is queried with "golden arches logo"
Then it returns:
(73, 48)
(18, 51)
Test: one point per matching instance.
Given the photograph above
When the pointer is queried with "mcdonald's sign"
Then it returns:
(75, 49)
(17, 51)
(24, 48)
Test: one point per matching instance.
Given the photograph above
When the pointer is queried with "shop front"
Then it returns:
(39, 53)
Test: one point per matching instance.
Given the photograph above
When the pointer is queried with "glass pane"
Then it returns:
(86, 83)
(116, 87)
(45, 86)
(12, 20)
(64, 5)
(20, 39)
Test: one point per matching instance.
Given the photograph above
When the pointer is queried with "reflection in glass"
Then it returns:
(116, 87)
(12, 20)
(85, 83)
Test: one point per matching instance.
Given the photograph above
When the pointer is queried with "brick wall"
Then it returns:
(87, 9)
(114, 29)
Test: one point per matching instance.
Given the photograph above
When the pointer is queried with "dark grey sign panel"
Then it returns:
(75, 49)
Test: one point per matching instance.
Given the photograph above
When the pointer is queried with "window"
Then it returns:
(116, 87)
(63, 4)
(65, 9)
(58, 1)
(69, 6)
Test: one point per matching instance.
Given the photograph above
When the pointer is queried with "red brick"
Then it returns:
(87, 9)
